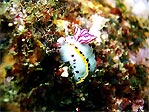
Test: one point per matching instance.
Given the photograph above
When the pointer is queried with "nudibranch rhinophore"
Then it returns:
(76, 51)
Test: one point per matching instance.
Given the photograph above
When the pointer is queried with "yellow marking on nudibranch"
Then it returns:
(84, 60)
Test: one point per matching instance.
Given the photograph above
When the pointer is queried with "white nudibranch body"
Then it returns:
(76, 51)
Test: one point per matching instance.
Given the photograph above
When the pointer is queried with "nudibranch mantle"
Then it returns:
(76, 51)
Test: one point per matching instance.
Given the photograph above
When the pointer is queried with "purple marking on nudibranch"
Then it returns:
(83, 36)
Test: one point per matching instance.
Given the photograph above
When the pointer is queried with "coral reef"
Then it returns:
(34, 78)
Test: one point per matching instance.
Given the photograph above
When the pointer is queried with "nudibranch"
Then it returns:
(76, 51)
